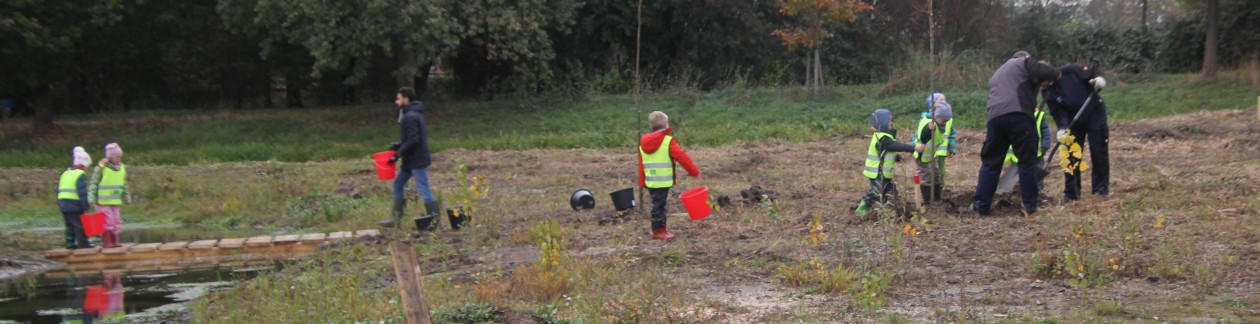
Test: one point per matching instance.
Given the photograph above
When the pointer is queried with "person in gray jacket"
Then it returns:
(1012, 101)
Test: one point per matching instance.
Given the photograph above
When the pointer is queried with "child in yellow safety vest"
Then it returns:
(1010, 178)
(881, 160)
(658, 151)
(72, 199)
(936, 132)
(108, 191)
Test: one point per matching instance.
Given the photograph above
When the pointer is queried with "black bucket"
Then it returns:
(623, 199)
(426, 223)
(582, 199)
(457, 217)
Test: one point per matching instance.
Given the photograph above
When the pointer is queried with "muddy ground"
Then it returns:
(1179, 231)
(1184, 187)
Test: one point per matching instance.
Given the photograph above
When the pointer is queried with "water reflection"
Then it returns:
(64, 296)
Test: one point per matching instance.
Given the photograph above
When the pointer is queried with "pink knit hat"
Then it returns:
(113, 150)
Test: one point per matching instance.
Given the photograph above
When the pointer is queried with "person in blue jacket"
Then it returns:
(413, 150)
(1065, 98)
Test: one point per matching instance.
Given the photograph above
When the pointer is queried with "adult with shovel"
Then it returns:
(1012, 98)
(1080, 112)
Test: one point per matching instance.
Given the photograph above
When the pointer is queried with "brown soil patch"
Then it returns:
(1201, 177)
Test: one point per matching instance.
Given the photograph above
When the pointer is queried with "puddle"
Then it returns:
(59, 296)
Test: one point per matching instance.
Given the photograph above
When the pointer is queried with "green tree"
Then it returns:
(39, 44)
(346, 35)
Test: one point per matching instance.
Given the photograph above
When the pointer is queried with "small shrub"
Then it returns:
(872, 292)
(546, 314)
(469, 313)
(814, 274)
(540, 283)
(1111, 308)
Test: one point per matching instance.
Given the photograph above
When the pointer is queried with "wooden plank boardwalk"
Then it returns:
(279, 244)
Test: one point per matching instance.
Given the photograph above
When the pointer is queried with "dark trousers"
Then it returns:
(74, 229)
(660, 196)
(1095, 131)
(1013, 130)
(881, 189)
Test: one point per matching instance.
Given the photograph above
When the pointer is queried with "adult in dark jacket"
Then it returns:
(413, 150)
(1064, 97)
(1012, 100)
(72, 199)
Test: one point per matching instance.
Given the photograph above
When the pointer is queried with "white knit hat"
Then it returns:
(81, 156)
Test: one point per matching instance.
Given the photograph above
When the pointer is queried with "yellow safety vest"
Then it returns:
(68, 187)
(940, 140)
(109, 191)
(1010, 152)
(658, 167)
(877, 163)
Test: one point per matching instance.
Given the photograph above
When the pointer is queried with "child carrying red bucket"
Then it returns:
(657, 153)
(72, 199)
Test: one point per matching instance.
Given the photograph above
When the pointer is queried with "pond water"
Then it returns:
(125, 293)
(59, 296)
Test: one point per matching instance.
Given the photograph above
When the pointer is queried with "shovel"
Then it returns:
(1045, 169)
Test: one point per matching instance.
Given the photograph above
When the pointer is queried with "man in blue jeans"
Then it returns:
(1012, 100)
(413, 150)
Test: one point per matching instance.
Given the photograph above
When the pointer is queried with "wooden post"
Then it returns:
(410, 282)
(1258, 107)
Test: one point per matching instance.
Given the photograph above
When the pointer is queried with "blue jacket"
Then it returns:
(414, 144)
(1066, 96)
(71, 206)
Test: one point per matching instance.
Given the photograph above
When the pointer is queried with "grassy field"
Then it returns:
(1167, 244)
(724, 116)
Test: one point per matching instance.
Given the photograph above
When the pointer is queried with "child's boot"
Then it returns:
(939, 191)
(925, 193)
(861, 209)
(661, 234)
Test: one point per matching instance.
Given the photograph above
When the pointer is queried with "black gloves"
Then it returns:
(394, 146)
(393, 159)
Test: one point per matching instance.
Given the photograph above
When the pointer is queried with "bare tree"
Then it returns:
(1209, 46)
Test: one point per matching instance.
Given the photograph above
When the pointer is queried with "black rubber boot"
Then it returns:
(395, 216)
(433, 209)
(926, 193)
(939, 190)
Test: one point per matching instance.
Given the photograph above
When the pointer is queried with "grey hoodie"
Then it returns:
(1011, 89)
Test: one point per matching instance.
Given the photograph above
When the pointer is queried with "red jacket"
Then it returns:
(651, 142)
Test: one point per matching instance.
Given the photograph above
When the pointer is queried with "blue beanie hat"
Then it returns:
(943, 111)
(932, 98)
(880, 119)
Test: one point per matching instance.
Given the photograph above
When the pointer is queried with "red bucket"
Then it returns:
(384, 169)
(696, 201)
(93, 224)
(95, 300)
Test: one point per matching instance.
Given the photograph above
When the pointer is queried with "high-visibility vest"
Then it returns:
(940, 140)
(658, 167)
(877, 163)
(68, 187)
(109, 191)
(1010, 152)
